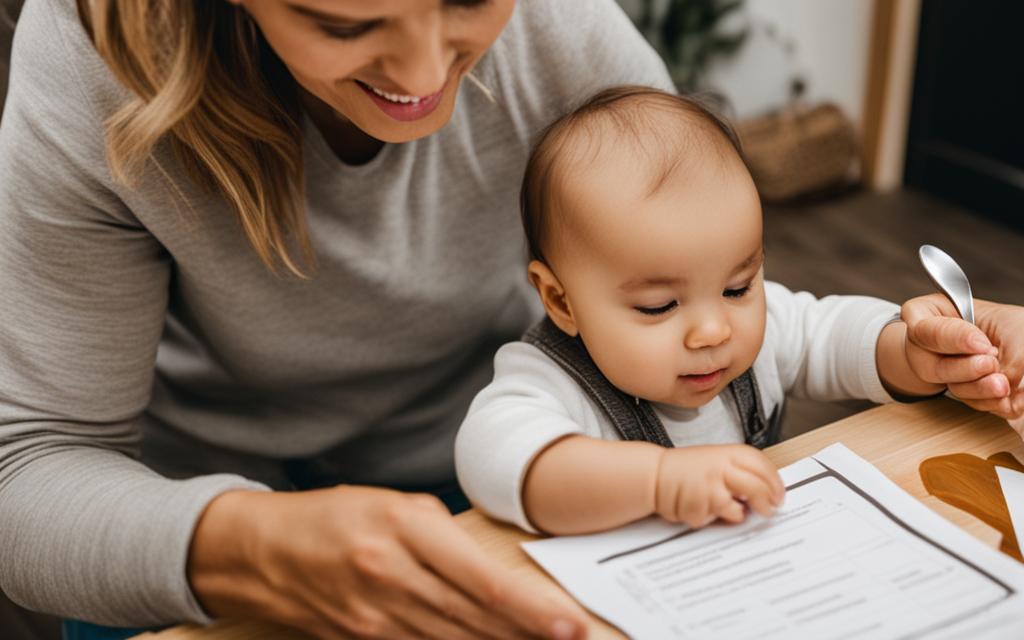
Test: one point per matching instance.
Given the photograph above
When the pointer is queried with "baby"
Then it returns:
(663, 349)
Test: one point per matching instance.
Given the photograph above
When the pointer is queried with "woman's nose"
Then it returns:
(419, 61)
(710, 329)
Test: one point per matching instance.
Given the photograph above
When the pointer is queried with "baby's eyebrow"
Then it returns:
(640, 283)
(757, 256)
(665, 281)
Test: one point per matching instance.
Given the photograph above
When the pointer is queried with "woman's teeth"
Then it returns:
(394, 97)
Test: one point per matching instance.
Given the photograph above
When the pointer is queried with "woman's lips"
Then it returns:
(404, 111)
(702, 381)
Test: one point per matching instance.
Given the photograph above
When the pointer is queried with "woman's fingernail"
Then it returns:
(563, 629)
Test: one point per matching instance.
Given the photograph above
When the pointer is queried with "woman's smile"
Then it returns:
(404, 108)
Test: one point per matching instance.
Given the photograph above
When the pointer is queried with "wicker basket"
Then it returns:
(799, 151)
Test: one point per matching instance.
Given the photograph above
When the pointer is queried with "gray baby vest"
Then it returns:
(635, 419)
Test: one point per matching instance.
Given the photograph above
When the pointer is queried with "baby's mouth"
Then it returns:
(702, 381)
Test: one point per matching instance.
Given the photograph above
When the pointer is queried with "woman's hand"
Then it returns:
(698, 485)
(357, 562)
(981, 365)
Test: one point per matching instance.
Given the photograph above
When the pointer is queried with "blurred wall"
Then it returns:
(830, 49)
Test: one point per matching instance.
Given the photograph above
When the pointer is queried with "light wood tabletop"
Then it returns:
(895, 438)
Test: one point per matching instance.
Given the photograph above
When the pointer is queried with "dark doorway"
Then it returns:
(966, 136)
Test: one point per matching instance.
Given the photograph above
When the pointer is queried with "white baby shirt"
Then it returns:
(814, 348)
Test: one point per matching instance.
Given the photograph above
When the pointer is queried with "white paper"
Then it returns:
(849, 555)
(1012, 483)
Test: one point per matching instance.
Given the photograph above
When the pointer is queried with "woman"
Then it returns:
(269, 244)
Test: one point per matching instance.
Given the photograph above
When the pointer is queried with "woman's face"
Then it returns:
(391, 67)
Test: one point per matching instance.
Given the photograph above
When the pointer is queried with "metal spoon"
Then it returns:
(949, 278)
(952, 281)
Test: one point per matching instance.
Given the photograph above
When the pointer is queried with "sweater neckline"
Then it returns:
(318, 149)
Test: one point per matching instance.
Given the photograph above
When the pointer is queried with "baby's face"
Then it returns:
(666, 290)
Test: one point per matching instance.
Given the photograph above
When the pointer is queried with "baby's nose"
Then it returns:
(711, 330)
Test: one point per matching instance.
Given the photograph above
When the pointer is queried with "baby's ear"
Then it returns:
(552, 295)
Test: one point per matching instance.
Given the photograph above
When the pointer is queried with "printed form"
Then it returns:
(849, 555)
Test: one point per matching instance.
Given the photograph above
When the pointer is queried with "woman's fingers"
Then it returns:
(430, 621)
(452, 604)
(440, 544)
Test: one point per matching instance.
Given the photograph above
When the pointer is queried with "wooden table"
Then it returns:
(895, 438)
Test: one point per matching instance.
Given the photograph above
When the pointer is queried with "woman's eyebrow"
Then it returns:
(320, 15)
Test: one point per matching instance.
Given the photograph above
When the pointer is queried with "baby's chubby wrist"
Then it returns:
(896, 368)
(656, 483)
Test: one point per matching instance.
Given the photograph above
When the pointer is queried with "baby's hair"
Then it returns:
(626, 109)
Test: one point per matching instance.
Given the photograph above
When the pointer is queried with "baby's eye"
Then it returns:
(736, 293)
(657, 311)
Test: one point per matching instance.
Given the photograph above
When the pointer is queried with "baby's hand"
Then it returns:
(696, 485)
(941, 348)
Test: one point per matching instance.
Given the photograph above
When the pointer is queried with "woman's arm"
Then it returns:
(87, 531)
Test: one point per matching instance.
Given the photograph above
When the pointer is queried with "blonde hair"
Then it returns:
(207, 82)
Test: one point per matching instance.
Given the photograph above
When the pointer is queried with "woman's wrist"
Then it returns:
(222, 568)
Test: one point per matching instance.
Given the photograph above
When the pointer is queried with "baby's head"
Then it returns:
(646, 236)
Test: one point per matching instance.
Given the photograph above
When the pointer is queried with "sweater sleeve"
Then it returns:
(825, 348)
(554, 55)
(530, 404)
(87, 532)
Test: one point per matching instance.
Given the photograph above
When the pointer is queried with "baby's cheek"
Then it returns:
(750, 333)
(638, 362)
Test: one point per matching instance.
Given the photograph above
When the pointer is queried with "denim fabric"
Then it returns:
(76, 630)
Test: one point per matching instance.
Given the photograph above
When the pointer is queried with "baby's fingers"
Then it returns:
(728, 508)
(759, 465)
(991, 387)
(960, 369)
(940, 334)
(752, 489)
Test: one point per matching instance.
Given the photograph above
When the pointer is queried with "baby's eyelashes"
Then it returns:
(657, 311)
(736, 293)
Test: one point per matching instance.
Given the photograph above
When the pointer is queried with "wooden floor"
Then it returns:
(866, 243)
(860, 243)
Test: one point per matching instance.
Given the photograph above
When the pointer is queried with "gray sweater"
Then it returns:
(149, 362)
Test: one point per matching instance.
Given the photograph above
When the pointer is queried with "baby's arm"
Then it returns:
(581, 484)
(530, 452)
(840, 347)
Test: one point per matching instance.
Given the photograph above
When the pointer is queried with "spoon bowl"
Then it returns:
(950, 279)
